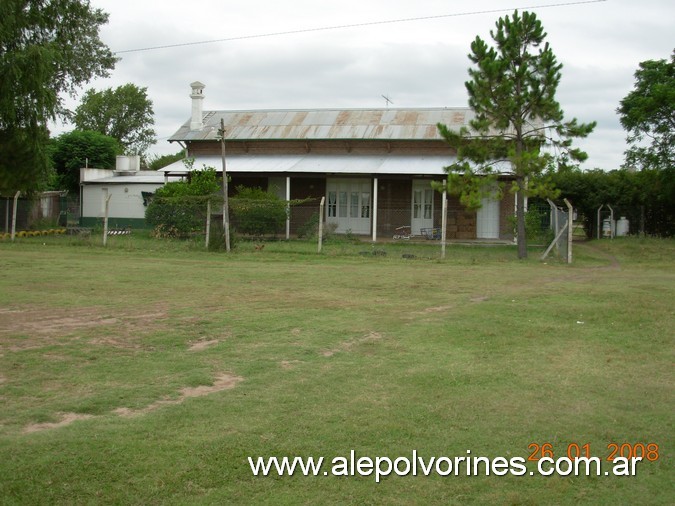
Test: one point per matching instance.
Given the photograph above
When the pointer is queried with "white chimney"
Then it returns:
(197, 97)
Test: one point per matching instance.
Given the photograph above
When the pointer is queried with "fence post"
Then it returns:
(323, 200)
(16, 199)
(7, 215)
(554, 214)
(208, 222)
(570, 229)
(105, 220)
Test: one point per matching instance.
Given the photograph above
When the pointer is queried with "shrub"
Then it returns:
(178, 209)
(310, 229)
(258, 212)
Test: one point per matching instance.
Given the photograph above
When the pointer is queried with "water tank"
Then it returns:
(128, 165)
(622, 227)
(607, 227)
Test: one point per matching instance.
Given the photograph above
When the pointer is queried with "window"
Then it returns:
(428, 201)
(417, 204)
(365, 205)
(342, 208)
(354, 205)
(332, 204)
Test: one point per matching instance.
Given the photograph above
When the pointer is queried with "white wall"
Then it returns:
(126, 200)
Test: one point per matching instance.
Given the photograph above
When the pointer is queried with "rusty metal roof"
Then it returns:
(326, 124)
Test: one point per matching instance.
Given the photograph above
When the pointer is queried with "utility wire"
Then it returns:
(356, 25)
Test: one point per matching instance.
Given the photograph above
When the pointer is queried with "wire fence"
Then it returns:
(42, 211)
(561, 226)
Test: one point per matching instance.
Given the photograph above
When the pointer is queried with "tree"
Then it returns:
(124, 113)
(23, 159)
(47, 48)
(512, 93)
(156, 162)
(648, 113)
(646, 197)
(81, 148)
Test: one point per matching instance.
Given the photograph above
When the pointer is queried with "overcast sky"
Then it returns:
(420, 63)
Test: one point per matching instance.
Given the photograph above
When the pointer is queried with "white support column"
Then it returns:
(288, 208)
(374, 209)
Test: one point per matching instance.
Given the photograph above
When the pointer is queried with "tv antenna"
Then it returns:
(387, 100)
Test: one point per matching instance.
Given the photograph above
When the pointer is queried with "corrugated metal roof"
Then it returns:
(326, 124)
(415, 165)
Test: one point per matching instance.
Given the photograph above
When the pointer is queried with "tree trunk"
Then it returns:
(520, 218)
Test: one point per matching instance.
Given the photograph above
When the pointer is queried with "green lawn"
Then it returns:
(147, 372)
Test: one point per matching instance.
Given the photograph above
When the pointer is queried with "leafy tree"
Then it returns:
(47, 48)
(124, 113)
(23, 159)
(512, 93)
(648, 113)
(156, 162)
(81, 148)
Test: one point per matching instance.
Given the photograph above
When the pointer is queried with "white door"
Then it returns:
(422, 206)
(487, 219)
(348, 205)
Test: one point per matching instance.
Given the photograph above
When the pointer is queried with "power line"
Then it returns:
(355, 25)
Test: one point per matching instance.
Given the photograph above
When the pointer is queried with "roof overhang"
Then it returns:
(347, 164)
(319, 164)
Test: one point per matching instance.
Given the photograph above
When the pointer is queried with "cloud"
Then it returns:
(416, 63)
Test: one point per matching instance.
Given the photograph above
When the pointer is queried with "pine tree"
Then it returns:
(512, 93)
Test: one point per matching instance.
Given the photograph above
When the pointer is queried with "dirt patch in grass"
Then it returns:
(66, 419)
(40, 326)
(223, 381)
(289, 364)
(350, 343)
(202, 344)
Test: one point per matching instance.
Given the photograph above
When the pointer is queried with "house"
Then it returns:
(373, 166)
(128, 188)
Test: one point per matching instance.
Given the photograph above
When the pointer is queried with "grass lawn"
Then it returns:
(147, 372)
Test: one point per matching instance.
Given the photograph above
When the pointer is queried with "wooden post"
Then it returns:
(226, 205)
(444, 220)
(554, 213)
(208, 222)
(323, 200)
(105, 220)
(16, 200)
(570, 230)
(6, 215)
